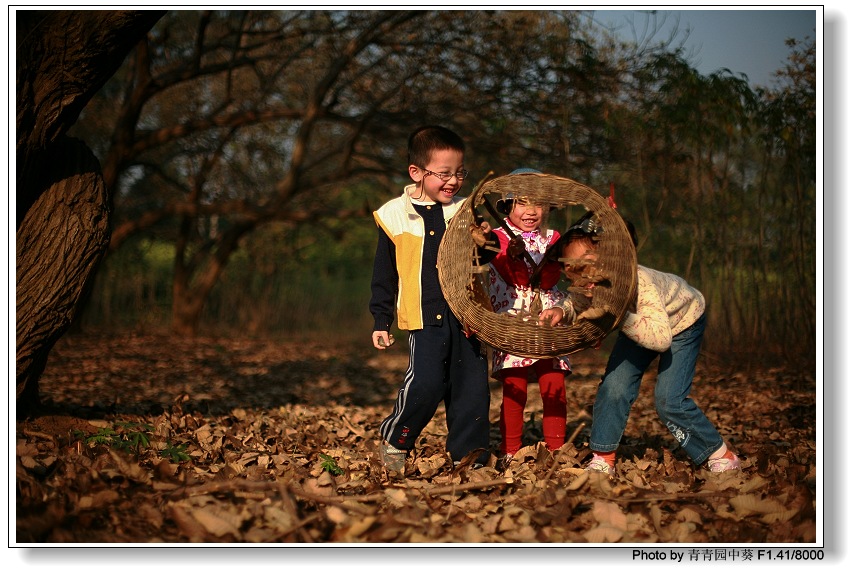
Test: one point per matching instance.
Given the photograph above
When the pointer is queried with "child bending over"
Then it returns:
(668, 322)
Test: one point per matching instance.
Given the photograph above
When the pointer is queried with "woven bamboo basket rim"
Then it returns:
(466, 292)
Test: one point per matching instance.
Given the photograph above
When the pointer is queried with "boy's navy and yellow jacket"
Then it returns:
(405, 275)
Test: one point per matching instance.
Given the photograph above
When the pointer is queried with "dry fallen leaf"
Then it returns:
(215, 522)
(603, 534)
(255, 415)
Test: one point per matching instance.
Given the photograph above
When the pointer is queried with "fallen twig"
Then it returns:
(451, 489)
(669, 497)
(563, 450)
(352, 428)
(39, 435)
(343, 501)
(297, 527)
(269, 486)
(225, 486)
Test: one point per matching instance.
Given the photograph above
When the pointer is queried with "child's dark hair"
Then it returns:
(582, 228)
(427, 139)
(585, 228)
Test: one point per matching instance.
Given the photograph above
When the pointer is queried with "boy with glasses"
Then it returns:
(445, 364)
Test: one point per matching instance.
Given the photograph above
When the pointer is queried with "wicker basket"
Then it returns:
(465, 290)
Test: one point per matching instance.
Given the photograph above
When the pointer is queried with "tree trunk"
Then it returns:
(187, 306)
(58, 246)
(62, 217)
(190, 289)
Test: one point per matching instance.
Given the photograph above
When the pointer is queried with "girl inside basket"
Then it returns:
(512, 292)
(668, 321)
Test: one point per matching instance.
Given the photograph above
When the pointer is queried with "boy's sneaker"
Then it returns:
(504, 461)
(474, 466)
(597, 464)
(727, 462)
(393, 459)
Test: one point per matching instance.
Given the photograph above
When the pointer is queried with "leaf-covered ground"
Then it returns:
(154, 439)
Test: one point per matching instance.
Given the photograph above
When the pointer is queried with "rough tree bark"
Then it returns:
(62, 208)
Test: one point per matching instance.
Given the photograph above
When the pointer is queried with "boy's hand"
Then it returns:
(382, 340)
(552, 316)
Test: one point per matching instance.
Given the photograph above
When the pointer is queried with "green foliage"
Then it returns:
(175, 453)
(308, 279)
(104, 436)
(132, 438)
(129, 437)
(328, 464)
(718, 179)
(134, 285)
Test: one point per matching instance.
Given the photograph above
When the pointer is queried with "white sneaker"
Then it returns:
(393, 459)
(727, 462)
(597, 464)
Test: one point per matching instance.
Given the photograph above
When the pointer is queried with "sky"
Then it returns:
(750, 41)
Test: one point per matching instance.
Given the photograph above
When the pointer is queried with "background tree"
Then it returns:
(702, 173)
(245, 151)
(787, 198)
(230, 121)
(62, 204)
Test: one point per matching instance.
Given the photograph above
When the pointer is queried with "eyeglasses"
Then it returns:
(460, 175)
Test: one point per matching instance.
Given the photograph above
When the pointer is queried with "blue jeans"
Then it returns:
(620, 387)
